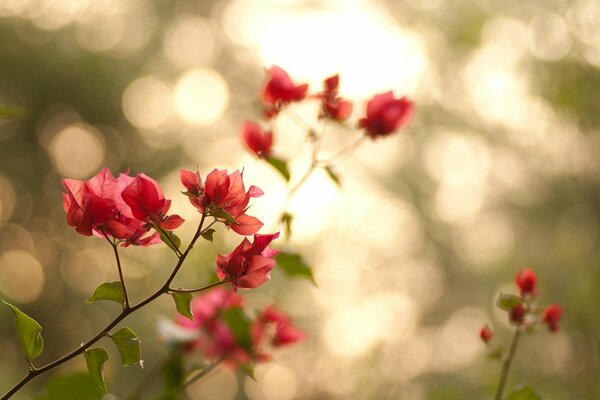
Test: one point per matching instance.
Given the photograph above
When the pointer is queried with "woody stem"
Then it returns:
(507, 363)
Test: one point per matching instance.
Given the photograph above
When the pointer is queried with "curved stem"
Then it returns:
(507, 362)
(164, 289)
(180, 290)
(200, 374)
(345, 150)
(121, 277)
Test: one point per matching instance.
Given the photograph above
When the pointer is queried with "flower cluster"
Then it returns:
(224, 197)
(384, 114)
(220, 330)
(521, 309)
(125, 208)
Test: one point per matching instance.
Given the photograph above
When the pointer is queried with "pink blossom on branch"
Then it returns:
(280, 90)
(223, 192)
(332, 106)
(284, 333)
(386, 114)
(97, 207)
(249, 265)
(258, 141)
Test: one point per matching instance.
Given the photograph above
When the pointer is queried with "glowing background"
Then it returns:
(498, 171)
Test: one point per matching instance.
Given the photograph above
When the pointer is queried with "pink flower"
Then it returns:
(256, 140)
(552, 315)
(526, 281)
(332, 106)
(223, 192)
(517, 314)
(486, 333)
(280, 90)
(249, 265)
(385, 115)
(215, 339)
(285, 333)
(96, 207)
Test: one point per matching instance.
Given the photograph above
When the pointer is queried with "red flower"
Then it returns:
(192, 182)
(285, 333)
(280, 90)
(552, 315)
(385, 115)
(486, 333)
(526, 281)
(223, 192)
(96, 207)
(517, 314)
(331, 105)
(249, 265)
(147, 202)
(256, 140)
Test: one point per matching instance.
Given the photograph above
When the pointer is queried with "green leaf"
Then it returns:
(293, 265)
(29, 332)
(287, 219)
(507, 301)
(128, 345)
(280, 165)
(182, 304)
(525, 393)
(12, 112)
(95, 359)
(239, 323)
(333, 175)
(173, 376)
(112, 291)
(220, 213)
(208, 235)
(170, 239)
(78, 386)
(248, 369)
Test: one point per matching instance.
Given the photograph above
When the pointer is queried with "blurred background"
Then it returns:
(498, 171)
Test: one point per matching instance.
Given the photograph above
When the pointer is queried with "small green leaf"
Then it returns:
(29, 332)
(525, 393)
(208, 235)
(128, 345)
(507, 301)
(293, 265)
(112, 291)
(496, 354)
(239, 323)
(280, 165)
(287, 219)
(12, 112)
(248, 369)
(95, 359)
(333, 175)
(220, 213)
(170, 239)
(182, 304)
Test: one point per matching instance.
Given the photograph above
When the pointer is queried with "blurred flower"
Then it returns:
(280, 90)
(552, 315)
(517, 314)
(332, 106)
(385, 115)
(256, 140)
(249, 265)
(285, 333)
(486, 333)
(526, 282)
(224, 197)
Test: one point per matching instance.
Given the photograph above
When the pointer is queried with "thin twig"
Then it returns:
(507, 362)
